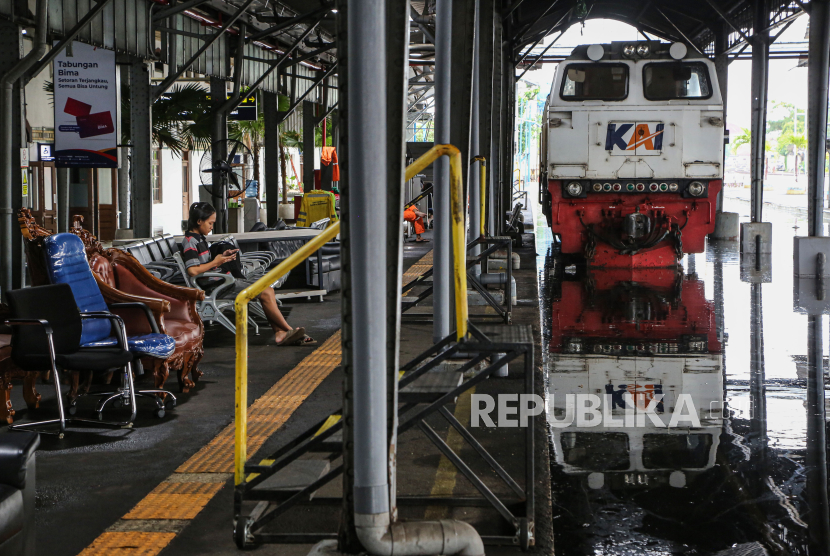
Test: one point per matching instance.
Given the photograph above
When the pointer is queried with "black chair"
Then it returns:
(17, 493)
(46, 336)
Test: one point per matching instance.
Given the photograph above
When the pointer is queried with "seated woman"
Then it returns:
(197, 260)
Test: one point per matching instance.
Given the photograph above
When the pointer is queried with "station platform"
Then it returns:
(166, 486)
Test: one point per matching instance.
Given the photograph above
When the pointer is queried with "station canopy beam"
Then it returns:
(689, 22)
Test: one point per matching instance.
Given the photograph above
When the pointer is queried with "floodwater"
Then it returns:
(717, 343)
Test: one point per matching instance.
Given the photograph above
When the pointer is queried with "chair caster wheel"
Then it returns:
(60, 436)
(159, 413)
(242, 533)
(72, 409)
(99, 415)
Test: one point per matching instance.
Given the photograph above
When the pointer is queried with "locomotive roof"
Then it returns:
(614, 52)
(694, 22)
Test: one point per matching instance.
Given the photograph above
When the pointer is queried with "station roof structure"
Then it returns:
(694, 22)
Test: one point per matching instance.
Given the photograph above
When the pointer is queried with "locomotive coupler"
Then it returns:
(637, 225)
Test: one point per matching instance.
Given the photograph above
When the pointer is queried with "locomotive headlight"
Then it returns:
(628, 50)
(696, 189)
(643, 50)
(574, 189)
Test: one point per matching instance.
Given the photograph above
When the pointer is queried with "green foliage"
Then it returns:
(786, 114)
(742, 139)
(291, 139)
(530, 94)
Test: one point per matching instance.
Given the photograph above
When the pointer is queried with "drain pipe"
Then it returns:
(368, 136)
(6, 135)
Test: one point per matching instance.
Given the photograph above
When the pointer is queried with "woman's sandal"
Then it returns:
(292, 337)
(306, 341)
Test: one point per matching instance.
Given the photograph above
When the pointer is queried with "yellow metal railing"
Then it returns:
(241, 305)
(483, 185)
(459, 243)
(252, 291)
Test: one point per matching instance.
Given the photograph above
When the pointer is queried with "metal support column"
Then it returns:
(123, 167)
(142, 152)
(63, 200)
(272, 156)
(397, 66)
(474, 178)
(441, 256)
(508, 131)
(485, 94)
(219, 134)
(347, 541)
(461, 87)
(760, 71)
(817, 76)
(368, 128)
(11, 195)
(494, 162)
(722, 71)
(309, 120)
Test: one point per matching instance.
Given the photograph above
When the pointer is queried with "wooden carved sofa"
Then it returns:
(9, 371)
(122, 278)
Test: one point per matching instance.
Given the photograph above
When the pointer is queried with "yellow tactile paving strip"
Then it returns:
(183, 500)
(269, 412)
(128, 544)
(182, 496)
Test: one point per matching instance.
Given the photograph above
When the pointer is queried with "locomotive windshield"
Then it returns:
(595, 82)
(668, 81)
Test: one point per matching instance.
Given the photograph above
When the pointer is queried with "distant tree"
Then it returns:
(796, 144)
(742, 139)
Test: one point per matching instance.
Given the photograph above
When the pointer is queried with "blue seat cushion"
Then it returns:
(66, 263)
(150, 345)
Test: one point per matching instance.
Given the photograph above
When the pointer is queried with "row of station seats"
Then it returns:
(161, 256)
(158, 256)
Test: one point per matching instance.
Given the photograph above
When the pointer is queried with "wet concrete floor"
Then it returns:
(743, 468)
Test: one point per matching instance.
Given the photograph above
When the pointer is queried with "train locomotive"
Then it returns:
(632, 153)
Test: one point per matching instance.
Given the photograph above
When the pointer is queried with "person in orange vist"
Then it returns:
(411, 214)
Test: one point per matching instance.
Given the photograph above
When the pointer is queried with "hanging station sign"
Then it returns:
(86, 108)
(246, 110)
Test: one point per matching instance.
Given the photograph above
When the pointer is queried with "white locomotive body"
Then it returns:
(632, 152)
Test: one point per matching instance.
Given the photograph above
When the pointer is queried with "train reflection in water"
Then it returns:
(631, 337)
(718, 488)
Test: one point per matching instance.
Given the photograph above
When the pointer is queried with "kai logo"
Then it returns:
(634, 138)
(642, 395)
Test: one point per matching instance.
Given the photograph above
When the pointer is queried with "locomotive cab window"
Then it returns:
(670, 81)
(595, 82)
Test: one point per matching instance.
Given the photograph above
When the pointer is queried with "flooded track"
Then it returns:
(687, 413)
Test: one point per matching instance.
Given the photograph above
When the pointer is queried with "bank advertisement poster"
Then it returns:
(86, 108)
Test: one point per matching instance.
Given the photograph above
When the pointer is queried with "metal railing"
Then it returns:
(241, 306)
(252, 291)
(459, 241)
